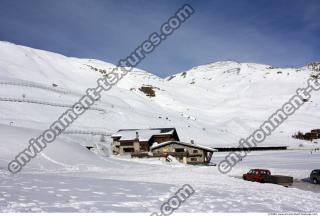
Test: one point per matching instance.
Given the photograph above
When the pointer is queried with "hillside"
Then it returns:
(214, 104)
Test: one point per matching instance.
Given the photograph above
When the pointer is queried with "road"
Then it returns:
(306, 185)
(302, 184)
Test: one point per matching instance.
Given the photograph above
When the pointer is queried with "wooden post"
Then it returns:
(209, 156)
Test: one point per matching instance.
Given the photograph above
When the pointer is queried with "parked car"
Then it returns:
(264, 176)
(256, 175)
(315, 176)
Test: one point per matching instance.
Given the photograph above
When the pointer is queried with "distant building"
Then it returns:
(184, 152)
(127, 141)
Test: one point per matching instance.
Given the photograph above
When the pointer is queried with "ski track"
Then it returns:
(23, 100)
(39, 86)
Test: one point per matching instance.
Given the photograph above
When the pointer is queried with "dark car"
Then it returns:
(315, 176)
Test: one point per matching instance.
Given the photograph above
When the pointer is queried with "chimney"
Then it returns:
(192, 142)
(137, 135)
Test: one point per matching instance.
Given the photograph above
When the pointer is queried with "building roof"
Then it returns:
(144, 134)
(184, 144)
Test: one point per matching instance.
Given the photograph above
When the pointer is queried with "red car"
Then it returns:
(257, 175)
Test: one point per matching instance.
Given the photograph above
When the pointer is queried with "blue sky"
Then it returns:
(275, 32)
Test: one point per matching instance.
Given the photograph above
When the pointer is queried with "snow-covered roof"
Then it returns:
(144, 134)
(183, 143)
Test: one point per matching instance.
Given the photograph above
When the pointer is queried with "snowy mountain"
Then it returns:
(214, 104)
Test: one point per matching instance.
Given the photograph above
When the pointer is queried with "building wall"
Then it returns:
(115, 147)
(126, 147)
(144, 146)
(176, 148)
(120, 147)
(162, 138)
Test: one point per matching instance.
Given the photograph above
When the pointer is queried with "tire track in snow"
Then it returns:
(55, 162)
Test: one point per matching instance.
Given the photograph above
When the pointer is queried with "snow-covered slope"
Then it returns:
(232, 99)
(214, 104)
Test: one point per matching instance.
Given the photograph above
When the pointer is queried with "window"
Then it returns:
(195, 151)
(314, 172)
(253, 172)
(193, 159)
(179, 150)
(128, 150)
